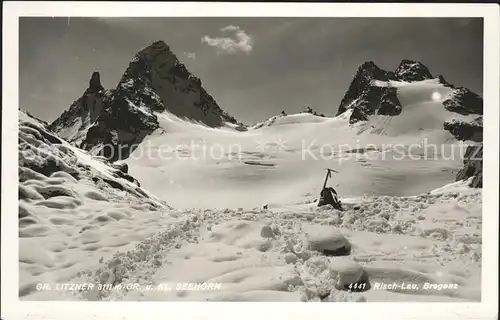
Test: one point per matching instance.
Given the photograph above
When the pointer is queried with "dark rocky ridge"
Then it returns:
(473, 166)
(473, 157)
(464, 102)
(119, 127)
(445, 83)
(112, 122)
(466, 131)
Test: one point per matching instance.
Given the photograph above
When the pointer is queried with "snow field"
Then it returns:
(263, 255)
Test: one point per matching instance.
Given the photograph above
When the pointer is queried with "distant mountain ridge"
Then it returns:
(155, 81)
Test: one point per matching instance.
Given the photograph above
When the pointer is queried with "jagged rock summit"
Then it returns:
(112, 122)
(365, 98)
(158, 76)
(369, 94)
(409, 71)
(95, 82)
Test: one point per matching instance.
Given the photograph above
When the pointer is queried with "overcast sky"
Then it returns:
(253, 67)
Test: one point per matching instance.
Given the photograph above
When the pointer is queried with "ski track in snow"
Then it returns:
(103, 236)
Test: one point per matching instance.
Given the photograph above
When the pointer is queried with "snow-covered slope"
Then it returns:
(73, 207)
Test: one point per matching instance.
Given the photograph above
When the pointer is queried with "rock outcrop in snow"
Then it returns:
(465, 102)
(307, 109)
(462, 101)
(466, 131)
(473, 166)
(112, 122)
(44, 156)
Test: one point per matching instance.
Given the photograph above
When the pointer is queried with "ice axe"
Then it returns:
(328, 175)
(329, 195)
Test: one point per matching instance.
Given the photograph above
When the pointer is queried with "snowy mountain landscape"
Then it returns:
(153, 183)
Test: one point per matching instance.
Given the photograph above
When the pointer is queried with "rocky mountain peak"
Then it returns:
(147, 59)
(157, 46)
(154, 81)
(409, 70)
(370, 71)
(366, 98)
(95, 82)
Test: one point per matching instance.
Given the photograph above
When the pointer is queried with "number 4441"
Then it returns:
(356, 286)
